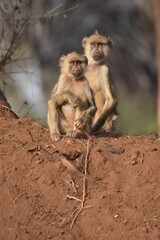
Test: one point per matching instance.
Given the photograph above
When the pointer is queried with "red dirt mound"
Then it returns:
(104, 187)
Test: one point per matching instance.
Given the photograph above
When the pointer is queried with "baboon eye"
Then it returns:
(100, 44)
(72, 62)
(94, 44)
(79, 62)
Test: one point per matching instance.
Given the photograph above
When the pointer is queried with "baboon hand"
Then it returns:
(72, 133)
(56, 137)
(81, 121)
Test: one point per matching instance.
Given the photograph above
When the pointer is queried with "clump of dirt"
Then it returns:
(104, 187)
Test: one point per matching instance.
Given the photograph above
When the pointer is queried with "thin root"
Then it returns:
(80, 209)
(21, 195)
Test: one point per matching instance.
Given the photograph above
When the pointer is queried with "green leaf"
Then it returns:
(17, 23)
(6, 6)
(25, 102)
(50, 15)
(16, 8)
(42, 21)
(65, 15)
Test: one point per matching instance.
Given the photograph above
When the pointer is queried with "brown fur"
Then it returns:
(96, 49)
(71, 106)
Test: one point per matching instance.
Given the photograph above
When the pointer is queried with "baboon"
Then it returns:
(96, 49)
(71, 107)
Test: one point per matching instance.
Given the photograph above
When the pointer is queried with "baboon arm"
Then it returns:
(54, 90)
(92, 107)
(61, 95)
(101, 120)
(66, 97)
(55, 104)
(61, 98)
(52, 117)
(110, 99)
(91, 110)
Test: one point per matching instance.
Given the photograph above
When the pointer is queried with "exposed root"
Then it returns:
(74, 198)
(7, 112)
(72, 184)
(21, 195)
(80, 209)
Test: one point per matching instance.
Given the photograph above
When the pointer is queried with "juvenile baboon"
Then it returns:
(71, 106)
(96, 49)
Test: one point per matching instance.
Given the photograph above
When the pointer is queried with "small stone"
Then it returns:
(134, 162)
(154, 150)
(114, 149)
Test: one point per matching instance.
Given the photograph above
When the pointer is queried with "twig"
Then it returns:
(88, 207)
(10, 109)
(53, 145)
(44, 16)
(52, 10)
(30, 134)
(72, 183)
(157, 197)
(84, 188)
(56, 151)
(81, 142)
(67, 10)
(71, 197)
(68, 164)
(18, 197)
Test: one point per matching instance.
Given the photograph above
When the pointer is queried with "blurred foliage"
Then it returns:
(137, 115)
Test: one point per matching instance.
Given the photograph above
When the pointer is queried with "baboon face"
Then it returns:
(97, 47)
(76, 68)
(97, 50)
(74, 64)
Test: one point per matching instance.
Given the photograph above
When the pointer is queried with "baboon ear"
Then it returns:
(96, 32)
(86, 60)
(84, 41)
(61, 60)
(110, 41)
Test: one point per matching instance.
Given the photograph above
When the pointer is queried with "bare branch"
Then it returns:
(52, 10)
